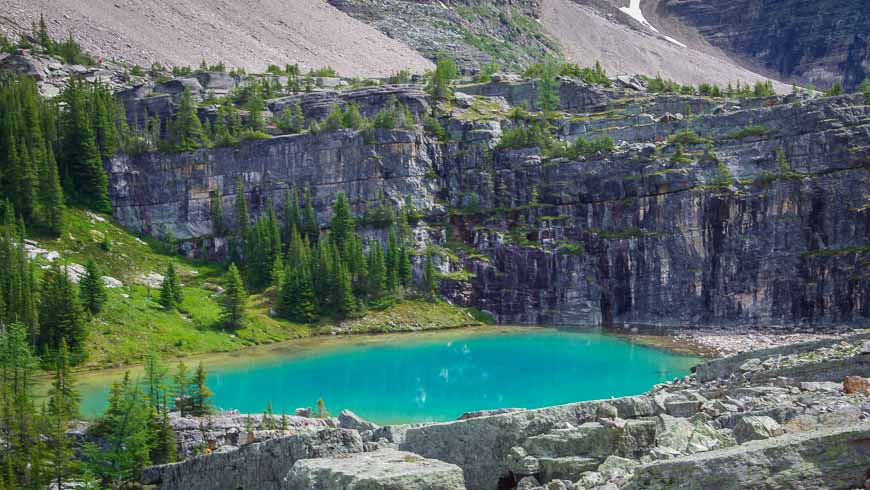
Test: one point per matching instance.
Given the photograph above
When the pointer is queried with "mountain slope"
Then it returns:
(592, 30)
(242, 33)
(810, 41)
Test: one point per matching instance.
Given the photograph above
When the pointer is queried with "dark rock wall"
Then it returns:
(764, 229)
(805, 40)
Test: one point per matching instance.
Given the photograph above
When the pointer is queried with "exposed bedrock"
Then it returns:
(760, 217)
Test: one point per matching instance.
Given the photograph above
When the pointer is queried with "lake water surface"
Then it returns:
(428, 376)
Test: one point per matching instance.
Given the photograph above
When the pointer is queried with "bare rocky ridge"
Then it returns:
(247, 34)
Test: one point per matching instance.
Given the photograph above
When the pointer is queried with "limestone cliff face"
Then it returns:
(808, 41)
(763, 221)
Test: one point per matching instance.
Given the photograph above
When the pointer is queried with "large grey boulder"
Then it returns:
(262, 466)
(350, 420)
(830, 458)
(385, 469)
(753, 427)
(590, 439)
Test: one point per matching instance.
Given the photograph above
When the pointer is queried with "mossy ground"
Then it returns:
(133, 322)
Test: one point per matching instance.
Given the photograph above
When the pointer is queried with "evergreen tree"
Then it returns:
(164, 449)
(170, 290)
(311, 227)
(439, 82)
(181, 389)
(155, 380)
(345, 303)
(242, 218)
(430, 280)
(92, 291)
(342, 225)
(62, 409)
(52, 199)
(127, 428)
(321, 412)
(548, 89)
(187, 132)
(255, 108)
(377, 272)
(200, 393)
(18, 368)
(83, 174)
(217, 214)
(405, 277)
(392, 259)
(234, 299)
(60, 315)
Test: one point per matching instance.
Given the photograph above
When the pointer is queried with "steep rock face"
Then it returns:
(810, 41)
(759, 217)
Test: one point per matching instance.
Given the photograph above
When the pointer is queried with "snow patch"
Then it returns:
(633, 11)
(678, 43)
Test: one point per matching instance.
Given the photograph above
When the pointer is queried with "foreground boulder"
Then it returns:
(260, 466)
(830, 458)
(384, 469)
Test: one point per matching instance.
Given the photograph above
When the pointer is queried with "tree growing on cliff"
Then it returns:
(548, 89)
(429, 287)
(234, 298)
(439, 82)
(186, 134)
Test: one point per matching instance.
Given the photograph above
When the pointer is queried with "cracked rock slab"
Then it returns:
(385, 469)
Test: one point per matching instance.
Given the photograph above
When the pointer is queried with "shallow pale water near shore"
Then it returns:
(432, 376)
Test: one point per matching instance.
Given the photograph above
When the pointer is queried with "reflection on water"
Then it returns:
(433, 376)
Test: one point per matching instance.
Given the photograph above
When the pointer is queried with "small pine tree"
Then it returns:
(321, 412)
(181, 389)
(200, 393)
(234, 299)
(170, 289)
(91, 289)
(430, 280)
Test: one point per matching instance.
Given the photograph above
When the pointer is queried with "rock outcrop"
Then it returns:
(707, 212)
(384, 469)
(261, 465)
(810, 42)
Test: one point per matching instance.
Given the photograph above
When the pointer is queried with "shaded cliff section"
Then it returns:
(807, 41)
(766, 227)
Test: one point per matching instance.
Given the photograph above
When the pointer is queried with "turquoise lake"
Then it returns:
(429, 376)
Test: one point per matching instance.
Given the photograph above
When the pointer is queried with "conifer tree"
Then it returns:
(321, 412)
(181, 389)
(217, 214)
(341, 225)
(200, 393)
(234, 298)
(345, 303)
(430, 280)
(51, 195)
(84, 177)
(392, 259)
(18, 366)
(164, 450)
(242, 218)
(187, 132)
(60, 315)
(92, 291)
(377, 271)
(170, 290)
(127, 428)
(548, 89)
(309, 221)
(155, 380)
(405, 277)
(62, 409)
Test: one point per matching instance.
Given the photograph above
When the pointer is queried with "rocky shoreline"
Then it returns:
(793, 416)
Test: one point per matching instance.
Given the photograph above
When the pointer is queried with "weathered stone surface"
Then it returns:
(753, 428)
(480, 446)
(385, 469)
(818, 45)
(487, 413)
(350, 420)
(566, 467)
(832, 458)
(856, 385)
(262, 465)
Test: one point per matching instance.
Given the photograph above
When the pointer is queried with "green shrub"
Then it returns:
(325, 72)
(753, 130)
(687, 137)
